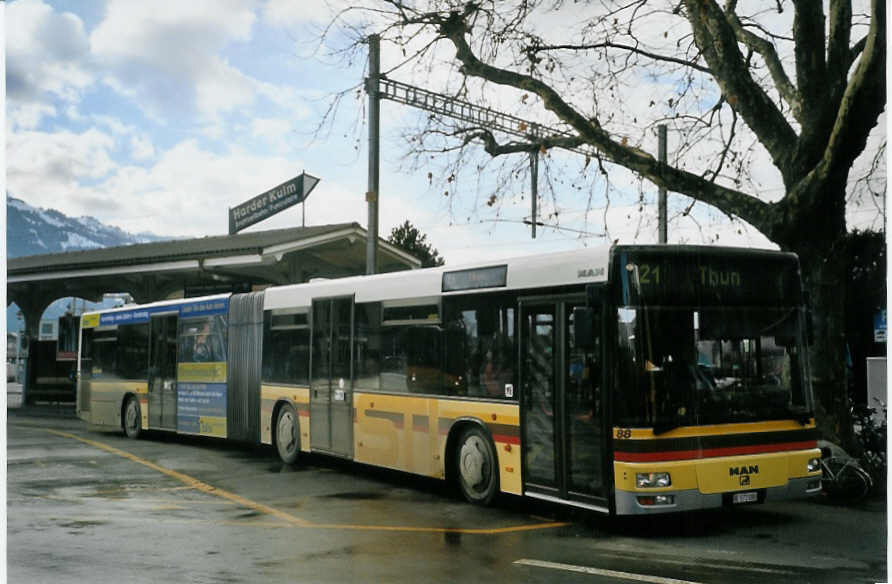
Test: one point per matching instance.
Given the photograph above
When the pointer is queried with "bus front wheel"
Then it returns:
(477, 466)
(132, 418)
(287, 434)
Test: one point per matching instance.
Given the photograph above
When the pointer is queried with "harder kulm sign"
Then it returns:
(267, 204)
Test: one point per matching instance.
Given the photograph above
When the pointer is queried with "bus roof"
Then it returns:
(552, 269)
(172, 303)
(564, 268)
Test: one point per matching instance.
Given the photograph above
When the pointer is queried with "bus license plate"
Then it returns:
(748, 497)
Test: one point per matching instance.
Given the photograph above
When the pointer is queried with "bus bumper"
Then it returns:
(647, 503)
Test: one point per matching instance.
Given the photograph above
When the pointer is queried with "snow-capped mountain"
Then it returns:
(31, 231)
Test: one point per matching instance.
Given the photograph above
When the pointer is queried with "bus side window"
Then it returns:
(481, 358)
(133, 346)
(394, 360)
(86, 354)
(367, 345)
(286, 347)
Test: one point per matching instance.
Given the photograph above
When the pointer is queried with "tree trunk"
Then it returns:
(816, 232)
(824, 279)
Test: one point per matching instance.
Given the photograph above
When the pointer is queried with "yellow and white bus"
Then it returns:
(626, 380)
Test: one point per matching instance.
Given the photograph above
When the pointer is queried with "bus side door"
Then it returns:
(331, 381)
(163, 372)
(561, 405)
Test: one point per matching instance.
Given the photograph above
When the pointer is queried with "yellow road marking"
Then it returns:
(287, 517)
(190, 481)
(179, 521)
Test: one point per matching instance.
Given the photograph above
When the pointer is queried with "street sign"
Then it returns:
(267, 204)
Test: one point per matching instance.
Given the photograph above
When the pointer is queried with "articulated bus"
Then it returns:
(625, 380)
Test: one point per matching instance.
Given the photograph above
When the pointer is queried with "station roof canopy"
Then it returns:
(194, 267)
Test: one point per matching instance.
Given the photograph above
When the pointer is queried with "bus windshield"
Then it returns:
(708, 365)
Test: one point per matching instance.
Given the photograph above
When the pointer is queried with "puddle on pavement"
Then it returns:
(285, 468)
(347, 551)
(188, 466)
(77, 489)
(366, 496)
(81, 524)
(452, 538)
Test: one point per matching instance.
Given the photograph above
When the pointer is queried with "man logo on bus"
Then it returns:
(590, 273)
(744, 470)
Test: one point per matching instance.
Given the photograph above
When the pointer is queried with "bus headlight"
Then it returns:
(814, 464)
(650, 480)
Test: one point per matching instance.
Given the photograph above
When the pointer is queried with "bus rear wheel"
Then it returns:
(476, 466)
(287, 434)
(132, 418)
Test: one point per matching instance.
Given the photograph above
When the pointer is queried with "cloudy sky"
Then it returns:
(158, 116)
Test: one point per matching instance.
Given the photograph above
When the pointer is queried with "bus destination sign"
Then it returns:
(473, 279)
(649, 277)
(267, 204)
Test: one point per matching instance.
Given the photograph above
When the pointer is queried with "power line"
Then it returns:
(541, 224)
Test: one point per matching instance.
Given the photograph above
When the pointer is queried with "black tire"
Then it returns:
(476, 466)
(287, 434)
(132, 419)
(854, 483)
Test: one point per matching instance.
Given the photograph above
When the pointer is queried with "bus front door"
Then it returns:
(561, 410)
(331, 385)
(163, 372)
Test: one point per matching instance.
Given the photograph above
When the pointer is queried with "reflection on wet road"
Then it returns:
(96, 507)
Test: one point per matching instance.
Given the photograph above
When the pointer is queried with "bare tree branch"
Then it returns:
(862, 103)
(808, 35)
(716, 38)
(535, 49)
(767, 51)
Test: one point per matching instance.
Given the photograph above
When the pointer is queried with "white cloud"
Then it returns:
(46, 52)
(171, 35)
(290, 14)
(166, 57)
(273, 131)
(45, 168)
(223, 88)
(116, 126)
(73, 114)
(27, 116)
(141, 147)
(185, 192)
(290, 99)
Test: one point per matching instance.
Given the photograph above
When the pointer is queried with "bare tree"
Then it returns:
(785, 86)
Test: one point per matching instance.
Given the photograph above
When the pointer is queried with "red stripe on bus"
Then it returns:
(712, 452)
(506, 439)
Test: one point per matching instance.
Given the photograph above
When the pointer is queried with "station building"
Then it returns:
(176, 268)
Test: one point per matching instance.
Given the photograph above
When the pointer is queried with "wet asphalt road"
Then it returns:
(96, 507)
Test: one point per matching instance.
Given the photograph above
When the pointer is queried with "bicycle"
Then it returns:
(844, 480)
